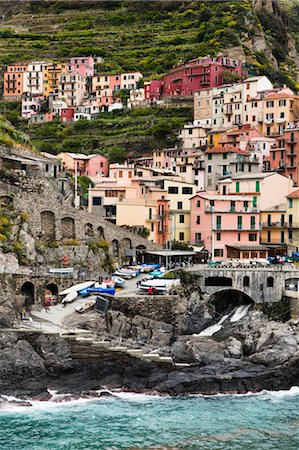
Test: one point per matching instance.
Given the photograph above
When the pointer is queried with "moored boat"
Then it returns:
(87, 306)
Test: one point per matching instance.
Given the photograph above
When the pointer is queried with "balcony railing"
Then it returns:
(274, 224)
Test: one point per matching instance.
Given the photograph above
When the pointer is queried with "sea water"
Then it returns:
(264, 421)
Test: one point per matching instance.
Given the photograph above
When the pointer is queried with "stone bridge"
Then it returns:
(258, 284)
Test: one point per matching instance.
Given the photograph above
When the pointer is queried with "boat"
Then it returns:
(118, 281)
(97, 290)
(70, 297)
(149, 267)
(108, 282)
(126, 273)
(87, 306)
(77, 287)
(161, 284)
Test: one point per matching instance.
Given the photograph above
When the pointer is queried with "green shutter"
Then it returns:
(237, 186)
(257, 186)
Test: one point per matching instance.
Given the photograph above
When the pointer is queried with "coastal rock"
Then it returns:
(234, 348)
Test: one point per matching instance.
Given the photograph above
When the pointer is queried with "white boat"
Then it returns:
(125, 273)
(77, 287)
(159, 283)
(71, 296)
(119, 281)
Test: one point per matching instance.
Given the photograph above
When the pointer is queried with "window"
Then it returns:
(246, 281)
(209, 169)
(218, 222)
(181, 236)
(270, 282)
(282, 237)
(239, 237)
(150, 213)
(257, 186)
(182, 218)
(224, 155)
(198, 220)
(212, 203)
(270, 104)
(282, 102)
(173, 190)
(232, 206)
(130, 174)
(96, 201)
(198, 203)
(252, 237)
(237, 186)
(218, 236)
(190, 131)
(239, 222)
(246, 205)
(252, 222)
(183, 169)
(197, 238)
(120, 174)
(187, 190)
(152, 227)
(209, 156)
(290, 203)
(218, 252)
(180, 205)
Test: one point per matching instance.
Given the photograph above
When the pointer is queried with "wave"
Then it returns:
(15, 404)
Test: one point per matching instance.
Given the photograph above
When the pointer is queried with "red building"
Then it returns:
(185, 79)
(67, 114)
(284, 156)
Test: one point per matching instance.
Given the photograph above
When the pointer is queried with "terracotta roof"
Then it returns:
(294, 194)
(227, 149)
(279, 95)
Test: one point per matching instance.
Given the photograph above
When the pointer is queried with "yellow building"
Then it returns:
(280, 107)
(293, 221)
(51, 74)
(274, 229)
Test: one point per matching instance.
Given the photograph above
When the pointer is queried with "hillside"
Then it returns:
(152, 36)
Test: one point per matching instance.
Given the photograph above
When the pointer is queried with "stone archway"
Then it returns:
(68, 228)
(101, 233)
(126, 243)
(88, 230)
(140, 250)
(48, 226)
(53, 288)
(115, 248)
(224, 299)
(28, 292)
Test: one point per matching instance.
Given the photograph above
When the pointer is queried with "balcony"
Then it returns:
(268, 121)
(293, 225)
(163, 230)
(276, 241)
(274, 224)
(198, 242)
(281, 120)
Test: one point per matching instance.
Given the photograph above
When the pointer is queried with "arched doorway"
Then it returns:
(101, 233)
(140, 250)
(115, 248)
(50, 294)
(48, 227)
(68, 228)
(28, 290)
(88, 229)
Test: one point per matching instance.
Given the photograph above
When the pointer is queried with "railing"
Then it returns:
(274, 224)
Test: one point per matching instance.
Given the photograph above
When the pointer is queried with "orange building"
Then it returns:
(13, 81)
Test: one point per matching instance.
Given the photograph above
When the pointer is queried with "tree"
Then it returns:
(117, 155)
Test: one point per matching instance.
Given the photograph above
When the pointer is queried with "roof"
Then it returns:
(172, 253)
(232, 197)
(294, 194)
(227, 149)
(82, 156)
(279, 208)
(253, 78)
(248, 247)
(253, 176)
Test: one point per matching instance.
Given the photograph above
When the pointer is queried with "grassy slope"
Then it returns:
(150, 36)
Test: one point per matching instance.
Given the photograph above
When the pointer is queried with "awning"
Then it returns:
(171, 252)
(248, 247)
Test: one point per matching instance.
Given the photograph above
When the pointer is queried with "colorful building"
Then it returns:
(227, 225)
(186, 78)
(13, 81)
(274, 232)
(284, 155)
(293, 221)
(86, 165)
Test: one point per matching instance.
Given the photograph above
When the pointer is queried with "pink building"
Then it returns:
(87, 165)
(185, 79)
(227, 225)
(84, 65)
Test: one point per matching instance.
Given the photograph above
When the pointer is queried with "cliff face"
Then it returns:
(152, 36)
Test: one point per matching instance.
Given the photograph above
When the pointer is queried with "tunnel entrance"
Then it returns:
(27, 290)
(223, 301)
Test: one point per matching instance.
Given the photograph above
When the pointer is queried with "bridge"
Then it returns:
(257, 284)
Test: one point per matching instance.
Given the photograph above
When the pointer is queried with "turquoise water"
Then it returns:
(263, 421)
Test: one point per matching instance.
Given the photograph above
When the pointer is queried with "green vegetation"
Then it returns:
(97, 245)
(150, 36)
(113, 134)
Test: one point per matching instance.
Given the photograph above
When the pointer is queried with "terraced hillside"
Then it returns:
(152, 36)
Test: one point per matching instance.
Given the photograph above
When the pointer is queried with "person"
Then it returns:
(150, 290)
(154, 291)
